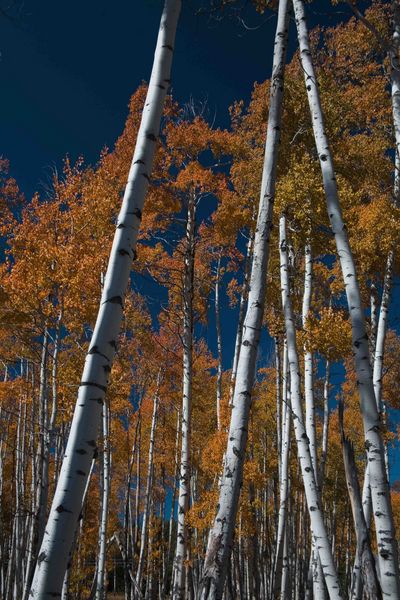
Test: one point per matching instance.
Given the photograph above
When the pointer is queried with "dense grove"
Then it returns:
(183, 327)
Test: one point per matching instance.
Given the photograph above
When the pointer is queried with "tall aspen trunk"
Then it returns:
(325, 426)
(279, 405)
(65, 587)
(180, 570)
(395, 80)
(173, 501)
(149, 484)
(372, 589)
(316, 571)
(51, 440)
(102, 557)
(242, 314)
(221, 535)
(219, 342)
(284, 484)
(44, 442)
(63, 518)
(320, 537)
(382, 329)
(386, 539)
(127, 524)
(378, 357)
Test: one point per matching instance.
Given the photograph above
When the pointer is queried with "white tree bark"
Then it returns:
(395, 79)
(67, 501)
(388, 555)
(221, 535)
(320, 537)
(180, 569)
(219, 342)
(149, 483)
(102, 556)
(242, 308)
(381, 331)
(325, 425)
(317, 576)
(44, 443)
(284, 483)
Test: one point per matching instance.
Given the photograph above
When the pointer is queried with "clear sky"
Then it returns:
(68, 69)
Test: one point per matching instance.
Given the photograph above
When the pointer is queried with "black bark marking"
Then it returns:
(79, 472)
(95, 350)
(151, 137)
(115, 300)
(81, 451)
(92, 383)
(98, 400)
(123, 252)
(60, 509)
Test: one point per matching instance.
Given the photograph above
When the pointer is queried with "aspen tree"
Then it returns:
(105, 485)
(320, 537)
(180, 573)
(220, 539)
(387, 544)
(67, 502)
(149, 483)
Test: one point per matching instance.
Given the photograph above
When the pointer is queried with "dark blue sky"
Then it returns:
(68, 69)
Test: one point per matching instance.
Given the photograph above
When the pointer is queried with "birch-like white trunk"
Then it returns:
(44, 442)
(65, 587)
(221, 535)
(382, 330)
(219, 342)
(242, 314)
(395, 79)
(67, 501)
(180, 570)
(387, 544)
(320, 537)
(325, 426)
(149, 483)
(284, 483)
(316, 571)
(102, 557)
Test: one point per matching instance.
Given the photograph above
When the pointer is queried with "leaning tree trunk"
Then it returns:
(372, 589)
(63, 518)
(221, 535)
(380, 491)
(320, 537)
(180, 568)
